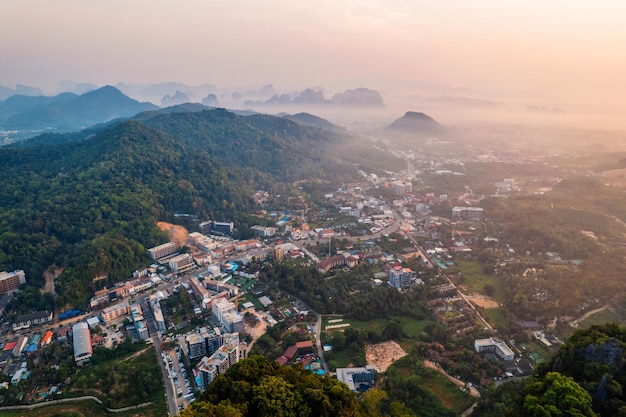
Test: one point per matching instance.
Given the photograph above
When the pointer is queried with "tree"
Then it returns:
(555, 395)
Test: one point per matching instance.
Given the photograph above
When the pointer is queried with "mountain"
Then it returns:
(24, 90)
(360, 97)
(91, 205)
(66, 112)
(155, 92)
(210, 100)
(19, 103)
(74, 87)
(307, 119)
(178, 98)
(416, 123)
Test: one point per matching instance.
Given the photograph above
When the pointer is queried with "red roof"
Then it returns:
(10, 346)
(305, 344)
(290, 352)
(282, 360)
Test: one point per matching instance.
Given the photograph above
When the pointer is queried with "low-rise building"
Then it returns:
(82, 343)
(358, 379)
(24, 321)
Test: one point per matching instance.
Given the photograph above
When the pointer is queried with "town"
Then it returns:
(205, 301)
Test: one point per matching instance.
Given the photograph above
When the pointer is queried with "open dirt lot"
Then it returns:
(382, 355)
(176, 233)
(482, 301)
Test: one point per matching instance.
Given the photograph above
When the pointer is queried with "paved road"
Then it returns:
(170, 392)
(318, 342)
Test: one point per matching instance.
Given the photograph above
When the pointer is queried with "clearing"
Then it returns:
(482, 301)
(382, 355)
(177, 234)
(50, 275)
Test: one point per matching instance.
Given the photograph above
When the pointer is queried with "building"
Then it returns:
(334, 261)
(82, 343)
(223, 358)
(401, 187)
(11, 281)
(472, 214)
(100, 297)
(195, 346)
(225, 313)
(110, 314)
(493, 345)
(158, 314)
(162, 251)
(264, 231)
(140, 326)
(218, 286)
(181, 263)
(357, 379)
(400, 277)
(25, 321)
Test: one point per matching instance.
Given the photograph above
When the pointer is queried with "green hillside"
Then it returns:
(91, 206)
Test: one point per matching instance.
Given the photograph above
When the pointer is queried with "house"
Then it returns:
(25, 321)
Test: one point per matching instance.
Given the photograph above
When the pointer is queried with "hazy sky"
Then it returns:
(569, 48)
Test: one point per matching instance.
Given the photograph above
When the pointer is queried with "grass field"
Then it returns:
(411, 327)
(474, 279)
(248, 297)
(449, 394)
(604, 316)
(495, 317)
(87, 409)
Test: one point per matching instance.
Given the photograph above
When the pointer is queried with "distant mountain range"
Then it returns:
(24, 90)
(360, 97)
(68, 111)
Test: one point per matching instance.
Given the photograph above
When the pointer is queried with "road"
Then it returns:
(170, 392)
(468, 302)
(318, 342)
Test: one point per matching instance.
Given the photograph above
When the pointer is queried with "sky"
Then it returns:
(565, 48)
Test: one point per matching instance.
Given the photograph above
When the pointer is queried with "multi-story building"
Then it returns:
(118, 310)
(225, 313)
(158, 314)
(264, 231)
(195, 346)
(400, 277)
(493, 345)
(210, 367)
(401, 187)
(11, 281)
(162, 251)
(472, 214)
(181, 263)
(327, 264)
(82, 343)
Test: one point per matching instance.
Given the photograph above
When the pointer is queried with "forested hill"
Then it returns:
(91, 206)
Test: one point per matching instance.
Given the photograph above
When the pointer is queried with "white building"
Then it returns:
(82, 343)
(493, 345)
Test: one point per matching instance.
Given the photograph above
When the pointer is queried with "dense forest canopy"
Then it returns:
(91, 205)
